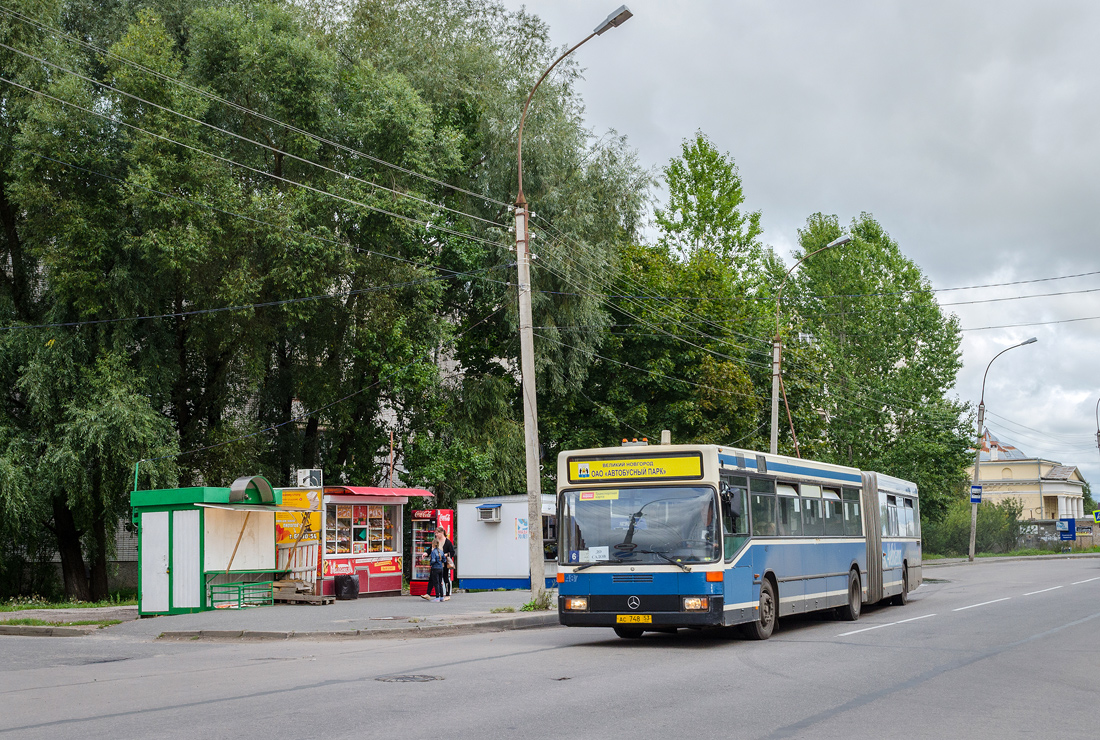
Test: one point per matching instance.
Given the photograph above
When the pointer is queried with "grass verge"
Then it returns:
(21, 603)
(46, 623)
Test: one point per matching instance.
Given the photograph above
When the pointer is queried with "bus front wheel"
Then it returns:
(850, 611)
(762, 628)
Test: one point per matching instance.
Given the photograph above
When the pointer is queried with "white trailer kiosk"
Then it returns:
(492, 542)
(203, 548)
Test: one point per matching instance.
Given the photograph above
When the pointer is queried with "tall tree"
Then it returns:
(891, 357)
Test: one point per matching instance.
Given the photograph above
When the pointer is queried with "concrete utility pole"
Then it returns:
(777, 346)
(526, 335)
(976, 478)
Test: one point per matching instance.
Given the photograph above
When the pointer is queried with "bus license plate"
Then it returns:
(634, 618)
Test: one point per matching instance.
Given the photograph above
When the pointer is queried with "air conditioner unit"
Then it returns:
(311, 478)
(489, 514)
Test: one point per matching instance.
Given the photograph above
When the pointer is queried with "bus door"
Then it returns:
(872, 529)
(737, 583)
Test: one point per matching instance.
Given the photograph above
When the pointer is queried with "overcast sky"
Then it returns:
(968, 129)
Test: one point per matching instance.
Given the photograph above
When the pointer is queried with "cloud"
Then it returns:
(967, 128)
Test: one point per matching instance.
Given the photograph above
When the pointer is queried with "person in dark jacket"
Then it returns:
(437, 563)
(449, 558)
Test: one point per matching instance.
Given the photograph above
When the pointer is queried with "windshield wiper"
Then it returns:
(666, 558)
(581, 567)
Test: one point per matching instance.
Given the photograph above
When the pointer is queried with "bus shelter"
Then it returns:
(205, 547)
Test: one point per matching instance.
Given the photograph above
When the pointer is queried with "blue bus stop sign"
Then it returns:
(975, 494)
(1067, 529)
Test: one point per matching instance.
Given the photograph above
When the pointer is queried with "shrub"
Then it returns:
(998, 529)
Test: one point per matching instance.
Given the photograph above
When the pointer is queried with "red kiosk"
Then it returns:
(424, 522)
(345, 530)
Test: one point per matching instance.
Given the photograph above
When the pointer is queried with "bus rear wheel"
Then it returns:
(762, 628)
(850, 611)
(903, 598)
(628, 633)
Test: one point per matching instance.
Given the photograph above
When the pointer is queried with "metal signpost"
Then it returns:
(975, 494)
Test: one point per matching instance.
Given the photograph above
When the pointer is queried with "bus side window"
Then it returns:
(813, 525)
(763, 507)
(853, 519)
(891, 522)
(834, 519)
(735, 527)
(790, 511)
(916, 517)
(910, 525)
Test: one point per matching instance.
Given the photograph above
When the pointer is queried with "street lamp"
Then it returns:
(526, 338)
(1098, 423)
(978, 451)
(777, 350)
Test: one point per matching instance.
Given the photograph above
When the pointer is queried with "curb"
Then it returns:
(500, 624)
(29, 630)
(1009, 559)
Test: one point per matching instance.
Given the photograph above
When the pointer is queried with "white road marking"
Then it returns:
(1075, 583)
(888, 624)
(963, 608)
(1030, 593)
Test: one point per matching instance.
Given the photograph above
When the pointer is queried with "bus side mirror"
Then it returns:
(732, 499)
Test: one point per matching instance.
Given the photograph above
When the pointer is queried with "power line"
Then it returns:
(215, 209)
(257, 171)
(268, 147)
(247, 306)
(1074, 438)
(1032, 323)
(302, 417)
(236, 106)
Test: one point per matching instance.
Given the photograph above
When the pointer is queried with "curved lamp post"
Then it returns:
(1098, 423)
(777, 351)
(978, 451)
(526, 338)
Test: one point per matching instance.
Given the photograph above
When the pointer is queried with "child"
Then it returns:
(437, 561)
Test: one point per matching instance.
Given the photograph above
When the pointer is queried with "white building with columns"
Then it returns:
(1046, 489)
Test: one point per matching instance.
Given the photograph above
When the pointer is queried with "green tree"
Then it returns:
(682, 351)
(704, 209)
(890, 356)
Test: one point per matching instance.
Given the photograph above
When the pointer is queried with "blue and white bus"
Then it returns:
(667, 536)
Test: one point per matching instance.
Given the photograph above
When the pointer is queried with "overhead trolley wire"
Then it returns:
(255, 170)
(452, 273)
(247, 306)
(238, 107)
(215, 209)
(267, 147)
(306, 415)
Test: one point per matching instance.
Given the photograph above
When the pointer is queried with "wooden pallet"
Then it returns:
(293, 597)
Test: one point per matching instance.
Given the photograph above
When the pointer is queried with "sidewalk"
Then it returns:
(377, 616)
(1008, 558)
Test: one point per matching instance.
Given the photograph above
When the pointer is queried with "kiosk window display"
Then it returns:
(361, 527)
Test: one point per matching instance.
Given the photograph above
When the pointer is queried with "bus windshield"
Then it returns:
(640, 525)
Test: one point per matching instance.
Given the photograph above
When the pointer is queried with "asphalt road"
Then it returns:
(991, 650)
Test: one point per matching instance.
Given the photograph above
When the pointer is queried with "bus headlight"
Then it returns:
(576, 604)
(696, 603)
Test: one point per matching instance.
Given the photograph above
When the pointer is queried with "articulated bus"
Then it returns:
(654, 538)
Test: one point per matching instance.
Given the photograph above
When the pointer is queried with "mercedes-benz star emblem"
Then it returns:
(633, 602)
